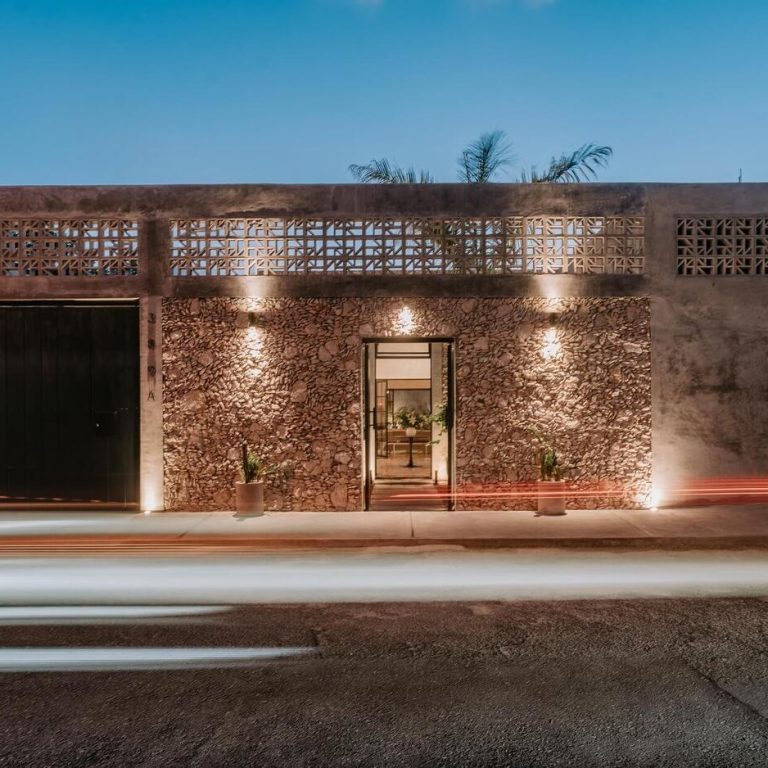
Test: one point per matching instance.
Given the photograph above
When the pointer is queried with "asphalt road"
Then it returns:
(589, 683)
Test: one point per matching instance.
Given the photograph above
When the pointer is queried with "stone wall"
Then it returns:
(285, 375)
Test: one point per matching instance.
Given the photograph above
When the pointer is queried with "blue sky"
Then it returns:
(140, 91)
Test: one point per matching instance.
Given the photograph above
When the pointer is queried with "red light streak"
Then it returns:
(518, 491)
(718, 490)
(697, 492)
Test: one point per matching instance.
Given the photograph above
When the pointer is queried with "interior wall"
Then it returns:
(402, 368)
(416, 399)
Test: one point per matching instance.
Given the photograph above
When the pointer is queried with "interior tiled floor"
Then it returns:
(395, 465)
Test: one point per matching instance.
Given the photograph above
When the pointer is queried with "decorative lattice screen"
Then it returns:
(397, 246)
(68, 247)
(722, 245)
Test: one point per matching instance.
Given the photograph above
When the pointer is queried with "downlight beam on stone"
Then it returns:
(405, 323)
(551, 347)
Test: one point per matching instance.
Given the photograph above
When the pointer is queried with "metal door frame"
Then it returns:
(369, 399)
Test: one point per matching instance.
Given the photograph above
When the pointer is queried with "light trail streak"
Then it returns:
(7, 526)
(517, 491)
(699, 492)
(101, 614)
(138, 659)
(367, 577)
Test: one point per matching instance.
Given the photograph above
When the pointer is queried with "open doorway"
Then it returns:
(408, 423)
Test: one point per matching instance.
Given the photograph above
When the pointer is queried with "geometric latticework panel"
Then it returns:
(722, 245)
(243, 247)
(68, 247)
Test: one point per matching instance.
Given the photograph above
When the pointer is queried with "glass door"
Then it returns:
(380, 419)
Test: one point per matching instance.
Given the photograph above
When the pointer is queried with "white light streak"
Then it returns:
(136, 659)
(345, 577)
(95, 614)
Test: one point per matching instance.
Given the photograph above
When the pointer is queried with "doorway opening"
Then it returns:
(408, 424)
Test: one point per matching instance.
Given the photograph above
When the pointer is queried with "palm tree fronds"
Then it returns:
(580, 165)
(485, 157)
(384, 172)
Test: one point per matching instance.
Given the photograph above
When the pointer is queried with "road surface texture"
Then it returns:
(580, 683)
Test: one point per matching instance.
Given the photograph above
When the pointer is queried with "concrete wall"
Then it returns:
(710, 349)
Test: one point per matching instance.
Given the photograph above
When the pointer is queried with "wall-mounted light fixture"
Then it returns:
(256, 319)
(552, 318)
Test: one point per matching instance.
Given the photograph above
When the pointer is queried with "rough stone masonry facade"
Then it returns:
(285, 375)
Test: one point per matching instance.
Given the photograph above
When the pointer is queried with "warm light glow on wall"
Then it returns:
(405, 321)
(552, 294)
(655, 499)
(150, 497)
(551, 347)
(254, 340)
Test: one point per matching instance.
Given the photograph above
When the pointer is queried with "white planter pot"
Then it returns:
(551, 497)
(249, 498)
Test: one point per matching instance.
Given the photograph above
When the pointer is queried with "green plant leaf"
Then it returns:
(483, 158)
(384, 172)
(580, 165)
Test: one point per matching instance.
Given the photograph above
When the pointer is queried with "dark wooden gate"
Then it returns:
(69, 403)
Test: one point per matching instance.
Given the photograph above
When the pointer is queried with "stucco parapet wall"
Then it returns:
(674, 199)
(184, 200)
(325, 200)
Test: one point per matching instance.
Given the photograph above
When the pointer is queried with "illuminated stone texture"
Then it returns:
(287, 378)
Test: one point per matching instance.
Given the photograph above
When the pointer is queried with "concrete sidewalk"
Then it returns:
(745, 525)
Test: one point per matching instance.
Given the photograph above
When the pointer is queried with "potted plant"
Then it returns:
(249, 493)
(550, 488)
(411, 419)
